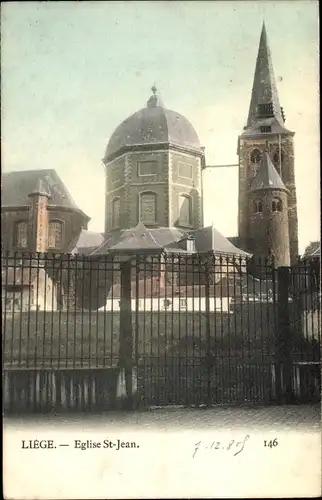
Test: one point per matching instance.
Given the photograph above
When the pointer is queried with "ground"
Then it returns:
(300, 417)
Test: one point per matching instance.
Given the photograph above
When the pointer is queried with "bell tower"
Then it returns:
(266, 138)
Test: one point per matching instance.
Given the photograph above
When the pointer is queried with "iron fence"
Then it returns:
(157, 329)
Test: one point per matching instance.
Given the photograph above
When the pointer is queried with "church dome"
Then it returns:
(153, 125)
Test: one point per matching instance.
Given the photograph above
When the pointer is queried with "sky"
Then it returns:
(73, 71)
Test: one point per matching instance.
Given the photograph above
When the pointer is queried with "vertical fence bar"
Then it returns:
(136, 330)
(54, 301)
(283, 336)
(68, 290)
(60, 265)
(5, 308)
(97, 291)
(75, 309)
(208, 338)
(114, 280)
(106, 293)
(45, 287)
(126, 333)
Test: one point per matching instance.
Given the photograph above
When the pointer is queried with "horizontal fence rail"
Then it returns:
(83, 332)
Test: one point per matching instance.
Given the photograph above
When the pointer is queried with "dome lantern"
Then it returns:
(155, 99)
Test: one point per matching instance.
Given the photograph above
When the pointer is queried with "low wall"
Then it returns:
(58, 390)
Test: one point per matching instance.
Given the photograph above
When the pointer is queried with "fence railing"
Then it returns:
(173, 329)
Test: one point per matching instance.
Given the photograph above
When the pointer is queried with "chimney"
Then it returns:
(191, 244)
(38, 215)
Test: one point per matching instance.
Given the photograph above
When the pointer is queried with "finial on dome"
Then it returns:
(155, 100)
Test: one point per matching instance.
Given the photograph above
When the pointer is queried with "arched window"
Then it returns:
(116, 207)
(148, 208)
(255, 156)
(21, 235)
(277, 205)
(257, 206)
(185, 210)
(55, 234)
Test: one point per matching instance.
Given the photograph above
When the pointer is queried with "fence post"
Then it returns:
(124, 389)
(283, 338)
(209, 358)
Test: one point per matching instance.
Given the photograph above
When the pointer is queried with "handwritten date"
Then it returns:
(235, 447)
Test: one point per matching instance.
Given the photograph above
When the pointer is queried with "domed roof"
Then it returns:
(152, 125)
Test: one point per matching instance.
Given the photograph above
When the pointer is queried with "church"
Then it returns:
(154, 166)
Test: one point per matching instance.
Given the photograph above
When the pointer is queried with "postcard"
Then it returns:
(160, 250)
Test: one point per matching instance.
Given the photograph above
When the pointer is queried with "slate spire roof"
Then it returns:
(264, 85)
(267, 176)
(265, 109)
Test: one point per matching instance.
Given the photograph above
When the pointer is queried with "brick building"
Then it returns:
(154, 198)
(38, 214)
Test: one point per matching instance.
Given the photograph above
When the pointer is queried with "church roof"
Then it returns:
(87, 242)
(17, 186)
(265, 109)
(267, 176)
(274, 125)
(210, 239)
(166, 239)
(138, 238)
(313, 250)
(151, 126)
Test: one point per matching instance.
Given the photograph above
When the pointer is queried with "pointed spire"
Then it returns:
(267, 176)
(264, 101)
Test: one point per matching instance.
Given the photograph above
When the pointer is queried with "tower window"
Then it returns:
(55, 234)
(21, 235)
(147, 168)
(148, 206)
(265, 110)
(116, 206)
(185, 210)
(266, 129)
(257, 207)
(185, 170)
(255, 156)
(115, 175)
(277, 205)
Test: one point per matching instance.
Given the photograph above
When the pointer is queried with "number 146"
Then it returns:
(271, 444)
